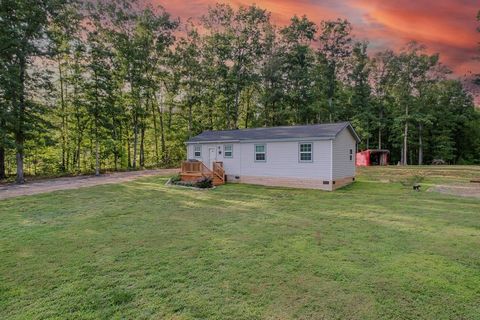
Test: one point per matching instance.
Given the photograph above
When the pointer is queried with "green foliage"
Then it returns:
(204, 183)
(175, 179)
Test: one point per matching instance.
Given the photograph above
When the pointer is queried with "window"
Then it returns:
(228, 151)
(197, 151)
(305, 152)
(260, 154)
(351, 154)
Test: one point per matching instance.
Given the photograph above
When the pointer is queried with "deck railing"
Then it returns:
(199, 168)
(219, 170)
(195, 167)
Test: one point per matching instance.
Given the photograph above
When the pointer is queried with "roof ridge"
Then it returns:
(318, 130)
(285, 126)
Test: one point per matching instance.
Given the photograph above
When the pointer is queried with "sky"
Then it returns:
(447, 27)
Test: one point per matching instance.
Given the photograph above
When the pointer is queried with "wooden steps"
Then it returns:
(196, 170)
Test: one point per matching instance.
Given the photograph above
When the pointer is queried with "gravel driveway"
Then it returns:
(44, 186)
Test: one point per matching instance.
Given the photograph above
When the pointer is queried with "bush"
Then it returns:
(175, 179)
(185, 183)
(204, 183)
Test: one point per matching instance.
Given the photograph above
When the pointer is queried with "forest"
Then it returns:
(95, 86)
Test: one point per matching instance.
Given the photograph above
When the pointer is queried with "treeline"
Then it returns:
(90, 86)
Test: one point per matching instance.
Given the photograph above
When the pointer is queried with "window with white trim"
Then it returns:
(197, 151)
(260, 153)
(228, 151)
(305, 152)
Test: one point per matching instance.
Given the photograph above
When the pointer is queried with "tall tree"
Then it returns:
(298, 67)
(238, 38)
(335, 47)
(381, 81)
(361, 103)
(412, 70)
(25, 31)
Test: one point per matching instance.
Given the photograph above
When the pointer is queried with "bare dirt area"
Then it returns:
(461, 190)
(67, 183)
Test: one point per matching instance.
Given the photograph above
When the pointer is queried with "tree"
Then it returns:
(26, 38)
(381, 75)
(335, 46)
(361, 103)
(412, 69)
(238, 40)
(298, 67)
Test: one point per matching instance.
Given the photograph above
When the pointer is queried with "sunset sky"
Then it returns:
(444, 26)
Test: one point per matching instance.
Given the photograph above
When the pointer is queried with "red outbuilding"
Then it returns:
(372, 157)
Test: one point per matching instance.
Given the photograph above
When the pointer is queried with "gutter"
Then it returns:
(265, 140)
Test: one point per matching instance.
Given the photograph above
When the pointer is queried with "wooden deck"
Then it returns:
(196, 170)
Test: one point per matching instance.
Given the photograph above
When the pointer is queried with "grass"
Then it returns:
(141, 250)
(430, 174)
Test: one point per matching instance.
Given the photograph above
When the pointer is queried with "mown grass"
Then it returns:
(429, 174)
(141, 250)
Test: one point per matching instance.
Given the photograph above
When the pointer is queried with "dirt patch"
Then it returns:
(67, 183)
(462, 190)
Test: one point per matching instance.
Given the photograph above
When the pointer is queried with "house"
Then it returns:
(320, 156)
(372, 157)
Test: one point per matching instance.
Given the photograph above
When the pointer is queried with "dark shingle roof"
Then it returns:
(325, 131)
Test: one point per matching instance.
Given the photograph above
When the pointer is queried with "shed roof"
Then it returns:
(322, 131)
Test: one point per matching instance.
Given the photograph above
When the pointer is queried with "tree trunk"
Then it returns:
(379, 138)
(135, 142)
(420, 144)
(78, 149)
(380, 130)
(235, 109)
(405, 139)
(142, 146)
(227, 115)
(2, 162)
(247, 113)
(162, 131)
(155, 132)
(19, 132)
(210, 115)
(170, 116)
(3, 174)
(19, 156)
(330, 108)
(64, 133)
(190, 120)
(97, 157)
(129, 151)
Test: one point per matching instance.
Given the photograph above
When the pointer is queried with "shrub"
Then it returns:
(204, 183)
(175, 179)
(185, 183)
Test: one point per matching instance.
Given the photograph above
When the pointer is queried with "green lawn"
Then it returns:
(141, 250)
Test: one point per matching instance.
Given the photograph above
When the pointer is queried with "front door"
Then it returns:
(212, 156)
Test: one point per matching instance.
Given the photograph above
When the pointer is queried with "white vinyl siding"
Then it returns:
(331, 159)
(282, 161)
(344, 155)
